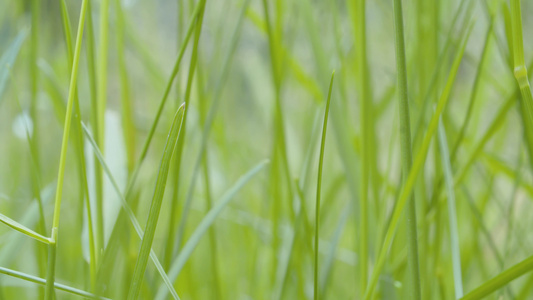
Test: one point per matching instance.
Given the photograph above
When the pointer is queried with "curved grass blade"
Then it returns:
(50, 273)
(42, 281)
(23, 229)
(155, 208)
(501, 280)
(319, 184)
(452, 213)
(30, 217)
(417, 166)
(204, 225)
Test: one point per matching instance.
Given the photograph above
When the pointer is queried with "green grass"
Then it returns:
(170, 149)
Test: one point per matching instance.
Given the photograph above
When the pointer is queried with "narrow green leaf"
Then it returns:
(50, 273)
(319, 184)
(452, 213)
(42, 281)
(405, 151)
(155, 207)
(520, 73)
(501, 280)
(23, 229)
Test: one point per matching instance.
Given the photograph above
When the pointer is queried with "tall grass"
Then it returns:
(422, 187)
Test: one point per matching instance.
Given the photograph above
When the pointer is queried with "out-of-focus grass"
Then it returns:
(91, 88)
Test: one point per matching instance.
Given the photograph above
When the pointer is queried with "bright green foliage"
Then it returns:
(177, 149)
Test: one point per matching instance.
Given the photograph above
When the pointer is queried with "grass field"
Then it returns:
(261, 149)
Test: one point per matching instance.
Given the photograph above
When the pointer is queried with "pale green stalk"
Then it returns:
(452, 212)
(365, 106)
(101, 100)
(405, 147)
(50, 274)
(501, 280)
(84, 194)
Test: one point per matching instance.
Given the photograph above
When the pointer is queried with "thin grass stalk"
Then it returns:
(319, 185)
(84, 193)
(452, 212)
(405, 147)
(101, 99)
(42, 281)
(520, 73)
(501, 280)
(34, 137)
(93, 88)
(50, 273)
(365, 103)
(34, 74)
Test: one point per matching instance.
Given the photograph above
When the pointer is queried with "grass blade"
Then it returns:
(204, 225)
(42, 281)
(319, 184)
(452, 214)
(520, 73)
(23, 229)
(84, 189)
(50, 273)
(155, 208)
(405, 149)
(501, 280)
